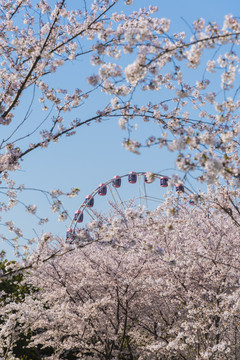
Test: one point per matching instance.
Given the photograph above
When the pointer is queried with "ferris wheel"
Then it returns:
(111, 189)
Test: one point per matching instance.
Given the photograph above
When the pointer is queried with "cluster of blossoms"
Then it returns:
(147, 286)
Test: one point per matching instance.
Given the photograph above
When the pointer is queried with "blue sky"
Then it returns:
(94, 155)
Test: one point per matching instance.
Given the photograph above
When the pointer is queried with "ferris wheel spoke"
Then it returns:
(145, 193)
(155, 199)
(121, 201)
(91, 213)
(114, 199)
(139, 189)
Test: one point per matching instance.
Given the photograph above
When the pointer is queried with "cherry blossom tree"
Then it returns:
(146, 286)
(13, 289)
(154, 285)
(131, 51)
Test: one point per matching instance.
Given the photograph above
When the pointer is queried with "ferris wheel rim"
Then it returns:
(84, 204)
